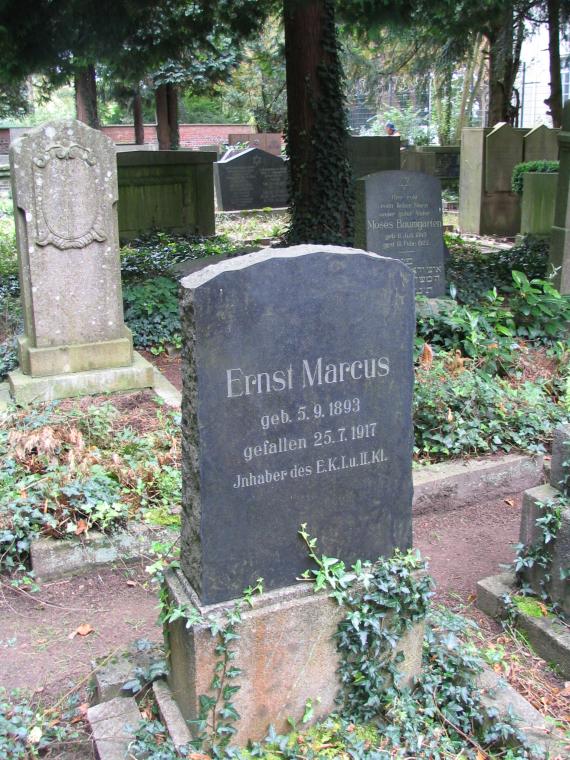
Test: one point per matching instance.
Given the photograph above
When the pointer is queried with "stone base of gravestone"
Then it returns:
(43, 361)
(286, 652)
(25, 389)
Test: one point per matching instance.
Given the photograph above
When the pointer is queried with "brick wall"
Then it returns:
(191, 135)
(4, 140)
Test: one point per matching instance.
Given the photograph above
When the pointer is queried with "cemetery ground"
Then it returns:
(491, 378)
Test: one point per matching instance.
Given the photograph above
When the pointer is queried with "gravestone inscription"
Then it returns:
(296, 409)
(250, 179)
(64, 186)
(399, 214)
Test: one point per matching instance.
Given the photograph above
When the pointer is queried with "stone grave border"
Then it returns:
(439, 487)
(548, 635)
(115, 710)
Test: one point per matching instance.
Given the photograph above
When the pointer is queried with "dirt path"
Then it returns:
(468, 544)
(37, 653)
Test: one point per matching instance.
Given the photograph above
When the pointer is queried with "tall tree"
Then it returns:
(321, 190)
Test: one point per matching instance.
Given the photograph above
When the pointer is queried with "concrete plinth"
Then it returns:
(82, 357)
(25, 389)
(286, 651)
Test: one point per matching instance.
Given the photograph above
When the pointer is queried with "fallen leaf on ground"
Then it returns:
(510, 502)
(82, 630)
(426, 358)
(81, 527)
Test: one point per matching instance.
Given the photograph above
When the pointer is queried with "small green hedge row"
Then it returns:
(542, 167)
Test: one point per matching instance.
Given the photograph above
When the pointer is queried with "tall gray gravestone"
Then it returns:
(297, 408)
(560, 240)
(399, 214)
(250, 179)
(541, 144)
(64, 186)
(373, 153)
(487, 204)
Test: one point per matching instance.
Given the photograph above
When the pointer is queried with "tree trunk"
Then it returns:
(162, 124)
(482, 65)
(464, 114)
(172, 103)
(138, 119)
(554, 101)
(321, 185)
(86, 96)
(505, 43)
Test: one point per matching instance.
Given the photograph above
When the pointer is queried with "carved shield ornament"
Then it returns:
(68, 197)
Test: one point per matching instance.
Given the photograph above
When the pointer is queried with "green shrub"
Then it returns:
(543, 167)
(472, 272)
(489, 331)
(28, 731)
(474, 413)
(155, 254)
(152, 313)
(539, 311)
(8, 357)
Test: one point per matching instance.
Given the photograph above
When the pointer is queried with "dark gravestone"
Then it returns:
(296, 409)
(250, 179)
(370, 154)
(399, 214)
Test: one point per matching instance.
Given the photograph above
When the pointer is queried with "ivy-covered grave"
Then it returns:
(535, 595)
(353, 655)
(254, 662)
(89, 468)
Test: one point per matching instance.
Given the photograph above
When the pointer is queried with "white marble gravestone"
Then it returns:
(64, 186)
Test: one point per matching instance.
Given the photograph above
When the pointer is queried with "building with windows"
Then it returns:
(533, 81)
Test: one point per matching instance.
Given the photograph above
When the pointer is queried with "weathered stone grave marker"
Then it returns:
(399, 214)
(270, 142)
(560, 241)
(250, 179)
(371, 153)
(298, 377)
(64, 186)
(541, 144)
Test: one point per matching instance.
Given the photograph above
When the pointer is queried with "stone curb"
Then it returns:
(165, 390)
(55, 558)
(112, 721)
(500, 696)
(112, 726)
(547, 636)
(171, 716)
(456, 484)
(437, 488)
(111, 674)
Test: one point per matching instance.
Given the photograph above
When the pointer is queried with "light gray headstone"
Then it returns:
(64, 181)
(399, 214)
(541, 144)
(503, 151)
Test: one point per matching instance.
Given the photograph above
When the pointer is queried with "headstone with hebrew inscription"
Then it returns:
(399, 214)
(64, 183)
(250, 179)
(298, 376)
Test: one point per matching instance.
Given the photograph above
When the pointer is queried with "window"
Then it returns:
(565, 71)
